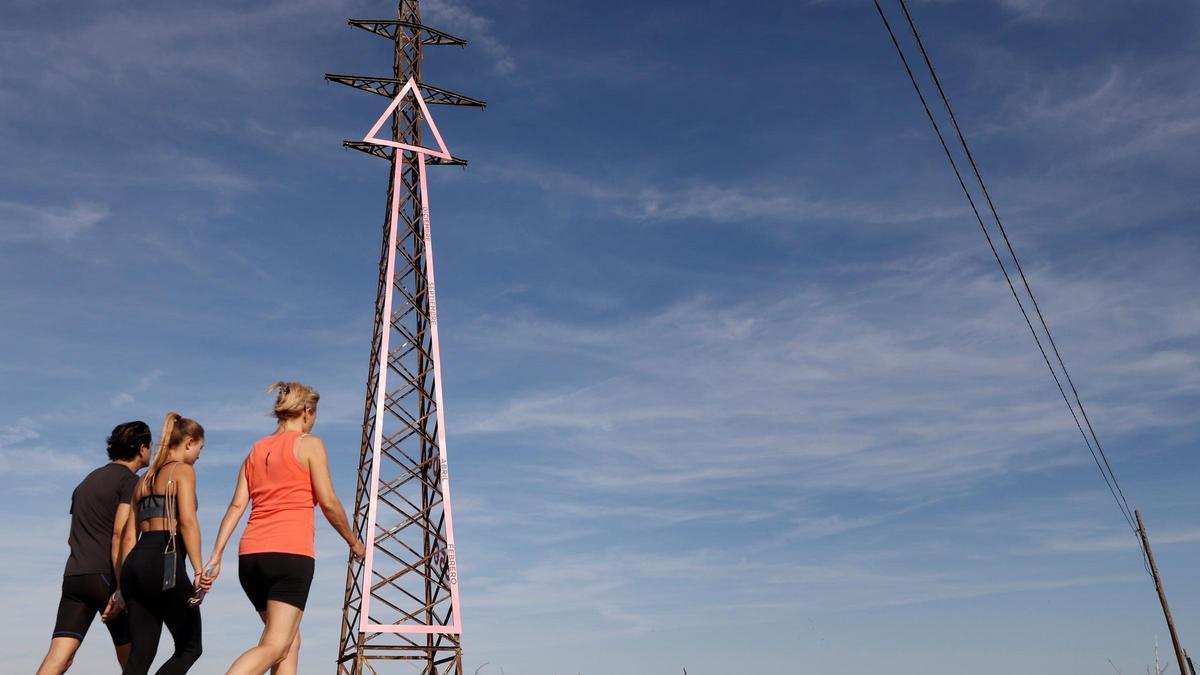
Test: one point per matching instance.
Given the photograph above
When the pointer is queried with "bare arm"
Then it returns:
(128, 537)
(189, 524)
(312, 455)
(120, 521)
(125, 544)
(233, 515)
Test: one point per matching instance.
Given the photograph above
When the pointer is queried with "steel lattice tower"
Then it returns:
(411, 594)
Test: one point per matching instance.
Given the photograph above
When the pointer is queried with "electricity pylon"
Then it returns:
(401, 601)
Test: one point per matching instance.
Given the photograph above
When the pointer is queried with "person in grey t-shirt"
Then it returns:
(99, 510)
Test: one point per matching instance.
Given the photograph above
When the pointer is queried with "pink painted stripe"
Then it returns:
(380, 393)
(365, 625)
(451, 560)
(409, 87)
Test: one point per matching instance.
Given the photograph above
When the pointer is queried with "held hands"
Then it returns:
(204, 583)
(211, 571)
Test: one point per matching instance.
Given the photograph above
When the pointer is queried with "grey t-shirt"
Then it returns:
(93, 510)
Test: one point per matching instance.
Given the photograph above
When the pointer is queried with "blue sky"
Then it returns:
(732, 382)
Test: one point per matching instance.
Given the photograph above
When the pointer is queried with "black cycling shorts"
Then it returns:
(83, 597)
(285, 577)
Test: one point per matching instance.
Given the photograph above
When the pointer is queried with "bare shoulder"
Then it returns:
(184, 472)
(311, 441)
(310, 446)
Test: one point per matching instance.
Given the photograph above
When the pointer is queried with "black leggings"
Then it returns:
(150, 607)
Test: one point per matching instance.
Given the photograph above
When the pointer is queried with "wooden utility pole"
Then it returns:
(1162, 595)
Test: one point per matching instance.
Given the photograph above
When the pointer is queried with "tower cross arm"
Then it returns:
(390, 86)
(389, 27)
(384, 152)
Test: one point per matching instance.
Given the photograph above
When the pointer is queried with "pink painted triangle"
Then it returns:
(409, 88)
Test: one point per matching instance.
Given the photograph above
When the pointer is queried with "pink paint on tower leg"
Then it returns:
(365, 624)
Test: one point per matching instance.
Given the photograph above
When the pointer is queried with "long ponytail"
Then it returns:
(176, 429)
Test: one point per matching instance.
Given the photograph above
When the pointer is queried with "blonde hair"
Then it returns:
(292, 399)
(176, 429)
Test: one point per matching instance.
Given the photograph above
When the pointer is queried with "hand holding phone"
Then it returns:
(198, 598)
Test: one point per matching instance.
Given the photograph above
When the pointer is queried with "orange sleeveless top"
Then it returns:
(281, 499)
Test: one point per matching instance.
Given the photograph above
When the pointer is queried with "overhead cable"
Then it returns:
(1092, 443)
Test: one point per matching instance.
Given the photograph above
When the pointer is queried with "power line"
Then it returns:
(1096, 451)
(1000, 224)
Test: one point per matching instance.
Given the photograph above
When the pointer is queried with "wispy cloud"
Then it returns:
(24, 453)
(1036, 9)
(26, 222)
(183, 77)
(168, 47)
(1116, 542)
(780, 203)
(872, 387)
(1054, 10)
(773, 200)
(143, 384)
(1124, 110)
(454, 16)
(630, 592)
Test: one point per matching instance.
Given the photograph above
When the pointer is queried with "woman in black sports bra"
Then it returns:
(154, 580)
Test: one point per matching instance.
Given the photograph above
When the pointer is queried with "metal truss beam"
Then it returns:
(390, 86)
(384, 152)
(388, 29)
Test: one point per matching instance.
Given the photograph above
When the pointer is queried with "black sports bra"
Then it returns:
(152, 506)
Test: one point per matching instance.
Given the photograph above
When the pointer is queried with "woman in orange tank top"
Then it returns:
(285, 475)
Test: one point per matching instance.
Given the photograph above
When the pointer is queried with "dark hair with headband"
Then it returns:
(127, 439)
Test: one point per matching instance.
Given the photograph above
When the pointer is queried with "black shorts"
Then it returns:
(285, 577)
(83, 597)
